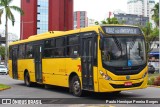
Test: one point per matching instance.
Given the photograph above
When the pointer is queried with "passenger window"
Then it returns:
(74, 39)
(29, 51)
(21, 52)
(73, 51)
(49, 53)
(49, 43)
(60, 52)
(60, 42)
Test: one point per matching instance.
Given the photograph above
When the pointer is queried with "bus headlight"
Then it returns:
(105, 76)
(144, 74)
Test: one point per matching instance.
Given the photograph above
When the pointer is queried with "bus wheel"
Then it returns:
(76, 86)
(27, 80)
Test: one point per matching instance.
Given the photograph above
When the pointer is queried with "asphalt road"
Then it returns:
(62, 97)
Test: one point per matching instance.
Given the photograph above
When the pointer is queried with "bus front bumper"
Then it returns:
(111, 86)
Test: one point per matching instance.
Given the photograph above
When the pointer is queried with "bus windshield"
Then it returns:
(124, 51)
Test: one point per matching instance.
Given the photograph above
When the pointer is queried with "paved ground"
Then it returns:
(19, 90)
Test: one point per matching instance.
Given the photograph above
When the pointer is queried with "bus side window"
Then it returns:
(49, 46)
(49, 43)
(73, 51)
(21, 53)
(29, 51)
(60, 49)
(73, 45)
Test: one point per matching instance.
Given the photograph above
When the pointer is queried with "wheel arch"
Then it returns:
(71, 76)
(25, 71)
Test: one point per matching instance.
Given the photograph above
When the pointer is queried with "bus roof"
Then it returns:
(51, 34)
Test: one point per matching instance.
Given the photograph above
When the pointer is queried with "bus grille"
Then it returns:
(123, 86)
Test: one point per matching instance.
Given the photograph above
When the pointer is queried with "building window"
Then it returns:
(42, 16)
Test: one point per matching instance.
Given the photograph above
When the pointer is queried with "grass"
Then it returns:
(3, 87)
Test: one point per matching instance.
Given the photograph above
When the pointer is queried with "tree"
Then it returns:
(2, 51)
(108, 21)
(155, 15)
(5, 7)
(150, 35)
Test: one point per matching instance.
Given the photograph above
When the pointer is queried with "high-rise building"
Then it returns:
(45, 15)
(131, 19)
(80, 19)
(141, 7)
(91, 22)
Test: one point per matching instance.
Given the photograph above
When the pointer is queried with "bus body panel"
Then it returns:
(58, 80)
(95, 79)
(56, 71)
(10, 68)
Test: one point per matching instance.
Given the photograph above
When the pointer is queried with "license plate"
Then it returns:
(128, 83)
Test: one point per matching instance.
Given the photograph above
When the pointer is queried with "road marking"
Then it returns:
(111, 106)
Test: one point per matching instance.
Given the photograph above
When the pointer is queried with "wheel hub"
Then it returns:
(76, 86)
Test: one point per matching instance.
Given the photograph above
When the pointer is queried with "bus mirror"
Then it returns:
(101, 44)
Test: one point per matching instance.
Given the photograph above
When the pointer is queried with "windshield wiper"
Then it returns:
(118, 44)
(132, 43)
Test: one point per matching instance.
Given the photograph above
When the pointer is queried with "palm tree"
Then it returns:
(5, 6)
(150, 35)
(155, 16)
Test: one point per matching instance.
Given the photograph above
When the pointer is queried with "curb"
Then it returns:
(154, 86)
(2, 89)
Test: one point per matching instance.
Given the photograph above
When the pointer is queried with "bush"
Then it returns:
(157, 81)
(151, 81)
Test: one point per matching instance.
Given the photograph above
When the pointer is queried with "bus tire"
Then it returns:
(76, 86)
(27, 80)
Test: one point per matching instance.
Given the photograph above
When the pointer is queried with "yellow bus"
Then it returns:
(110, 58)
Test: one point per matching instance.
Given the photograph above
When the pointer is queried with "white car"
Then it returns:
(3, 70)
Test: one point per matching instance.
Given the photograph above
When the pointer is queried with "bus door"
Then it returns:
(14, 63)
(38, 62)
(87, 51)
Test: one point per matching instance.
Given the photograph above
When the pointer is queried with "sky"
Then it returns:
(96, 9)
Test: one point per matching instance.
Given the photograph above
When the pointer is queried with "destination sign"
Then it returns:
(121, 30)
